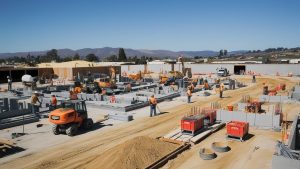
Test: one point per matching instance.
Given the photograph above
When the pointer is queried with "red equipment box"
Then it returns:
(192, 123)
(212, 115)
(237, 129)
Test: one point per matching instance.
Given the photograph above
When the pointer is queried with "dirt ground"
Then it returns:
(78, 152)
(147, 150)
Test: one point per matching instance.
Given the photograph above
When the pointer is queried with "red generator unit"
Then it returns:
(211, 115)
(237, 129)
(192, 124)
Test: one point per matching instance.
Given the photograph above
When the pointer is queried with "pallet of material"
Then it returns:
(177, 135)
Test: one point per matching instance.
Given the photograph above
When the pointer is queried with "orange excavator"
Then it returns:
(70, 118)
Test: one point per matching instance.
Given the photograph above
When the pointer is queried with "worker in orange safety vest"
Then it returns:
(153, 103)
(222, 88)
(53, 102)
(189, 94)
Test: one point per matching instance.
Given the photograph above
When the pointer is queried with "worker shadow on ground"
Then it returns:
(225, 97)
(161, 113)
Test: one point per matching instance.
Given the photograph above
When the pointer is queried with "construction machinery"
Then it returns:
(185, 71)
(136, 76)
(223, 72)
(71, 117)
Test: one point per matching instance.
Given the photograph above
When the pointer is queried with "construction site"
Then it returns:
(81, 114)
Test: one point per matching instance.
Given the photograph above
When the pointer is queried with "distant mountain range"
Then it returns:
(108, 51)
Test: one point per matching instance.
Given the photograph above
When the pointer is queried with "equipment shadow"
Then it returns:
(96, 126)
(248, 136)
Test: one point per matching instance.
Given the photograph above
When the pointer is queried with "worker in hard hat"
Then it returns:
(73, 95)
(192, 87)
(189, 94)
(9, 83)
(222, 88)
(34, 102)
(153, 103)
(77, 89)
(53, 102)
(265, 89)
(206, 85)
(253, 79)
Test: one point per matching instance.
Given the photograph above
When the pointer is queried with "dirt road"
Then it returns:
(81, 151)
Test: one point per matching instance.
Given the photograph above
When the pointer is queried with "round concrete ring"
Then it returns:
(207, 154)
(220, 147)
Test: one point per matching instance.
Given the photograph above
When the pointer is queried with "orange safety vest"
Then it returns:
(206, 86)
(152, 101)
(34, 99)
(189, 92)
(53, 101)
(222, 87)
(77, 90)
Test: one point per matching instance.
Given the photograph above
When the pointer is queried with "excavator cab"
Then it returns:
(71, 117)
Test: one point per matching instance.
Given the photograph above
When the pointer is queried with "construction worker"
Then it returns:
(9, 83)
(34, 101)
(77, 90)
(222, 87)
(253, 79)
(192, 87)
(206, 85)
(53, 102)
(265, 89)
(153, 103)
(189, 94)
(73, 95)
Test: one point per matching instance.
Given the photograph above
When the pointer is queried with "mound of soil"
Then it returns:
(138, 152)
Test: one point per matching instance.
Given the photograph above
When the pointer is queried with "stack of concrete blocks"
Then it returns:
(19, 114)
(4, 105)
(231, 84)
(273, 99)
(46, 102)
(289, 156)
(296, 93)
(121, 117)
(13, 104)
(270, 121)
(242, 106)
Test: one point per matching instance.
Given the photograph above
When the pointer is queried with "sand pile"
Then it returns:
(138, 152)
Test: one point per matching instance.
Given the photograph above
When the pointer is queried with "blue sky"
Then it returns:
(32, 25)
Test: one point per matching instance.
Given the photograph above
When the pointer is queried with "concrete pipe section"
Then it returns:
(207, 154)
(220, 147)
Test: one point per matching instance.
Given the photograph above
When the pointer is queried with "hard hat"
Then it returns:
(36, 92)
(7, 77)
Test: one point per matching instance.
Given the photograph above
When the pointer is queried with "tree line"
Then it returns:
(52, 55)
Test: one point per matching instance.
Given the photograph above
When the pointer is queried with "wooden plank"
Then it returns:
(187, 138)
(201, 136)
(170, 140)
(172, 133)
(178, 135)
(184, 138)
